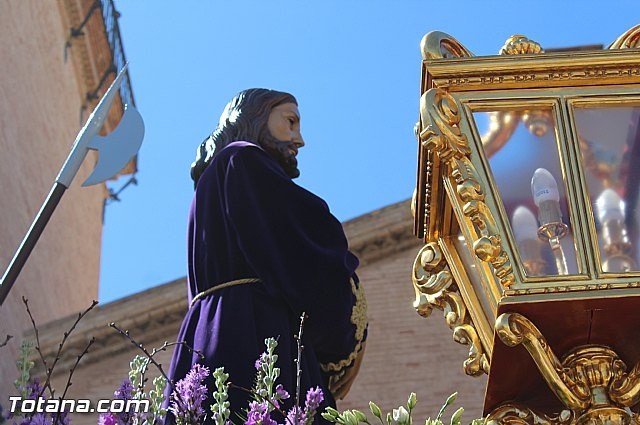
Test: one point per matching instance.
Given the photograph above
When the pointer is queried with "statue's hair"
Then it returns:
(244, 118)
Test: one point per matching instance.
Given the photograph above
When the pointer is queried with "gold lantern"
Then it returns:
(528, 200)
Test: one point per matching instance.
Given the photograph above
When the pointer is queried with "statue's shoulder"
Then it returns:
(237, 159)
(241, 155)
(241, 148)
(244, 158)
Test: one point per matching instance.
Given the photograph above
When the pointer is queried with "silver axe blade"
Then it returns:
(116, 149)
(115, 152)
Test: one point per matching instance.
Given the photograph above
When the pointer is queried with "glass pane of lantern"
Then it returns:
(609, 142)
(486, 296)
(522, 151)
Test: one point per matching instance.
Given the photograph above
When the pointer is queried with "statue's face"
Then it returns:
(284, 127)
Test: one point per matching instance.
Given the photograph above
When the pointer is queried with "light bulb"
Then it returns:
(525, 225)
(610, 206)
(544, 187)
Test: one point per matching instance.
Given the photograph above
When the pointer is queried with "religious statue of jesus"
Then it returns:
(261, 251)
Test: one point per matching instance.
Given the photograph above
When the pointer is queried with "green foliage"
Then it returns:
(268, 373)
(156, 397)
(399, 416)
(24, 368)
(220, 408)
(138, 369)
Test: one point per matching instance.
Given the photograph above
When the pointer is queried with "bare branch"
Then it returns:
(60, 346)
(171, 344)
(154, 352)
(141, 348)
(299, 359)
(25, 301)
(71, 371)
(6, 341)
(75, 365)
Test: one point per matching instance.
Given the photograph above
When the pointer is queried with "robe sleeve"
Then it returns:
(299, 250)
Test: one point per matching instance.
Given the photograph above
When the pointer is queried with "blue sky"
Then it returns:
(354, 66)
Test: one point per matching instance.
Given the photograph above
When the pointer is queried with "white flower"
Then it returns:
(401, 416)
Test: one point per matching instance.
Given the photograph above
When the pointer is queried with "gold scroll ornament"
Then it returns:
(591, 381)
(435, 288)
(440, 119)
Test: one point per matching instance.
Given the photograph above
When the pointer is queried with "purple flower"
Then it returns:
(257, 407)
(188, 395)
(37, 419)
(259, 414)
(263, 361)
(198, 373)
(40, 419)
(314, 398)
(296, 416)
(63, 419)
(35, 389)
(107, 419)
(281, 393)
(124, 391)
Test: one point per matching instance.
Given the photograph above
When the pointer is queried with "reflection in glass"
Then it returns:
(475, 277)
(609, 143)
(525, 229)
(544, 190)
(525, 163)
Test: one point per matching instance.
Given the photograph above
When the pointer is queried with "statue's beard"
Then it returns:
(282, 152)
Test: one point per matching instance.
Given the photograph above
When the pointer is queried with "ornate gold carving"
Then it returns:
(571, 288)
(548, 70)
(488, 247)
(520, 45)
(595, 367)
(359, 312)
(359, 320)
(518, 414)
(477, 363)
(435, 287)
(628, 40)
(441, 134)
(607, 416)
(429, 277)
(591, 381)
(428, 175)
(514, 329)
(438, 45)
(625, 390)
(440, 119)
(543, 77)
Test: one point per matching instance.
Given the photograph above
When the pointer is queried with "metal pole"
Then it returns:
(30, 239)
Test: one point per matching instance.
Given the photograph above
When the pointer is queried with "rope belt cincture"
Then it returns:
(213, 289)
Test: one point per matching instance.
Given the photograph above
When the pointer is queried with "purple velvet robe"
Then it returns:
(248, 219)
